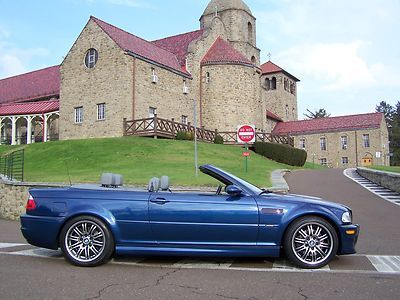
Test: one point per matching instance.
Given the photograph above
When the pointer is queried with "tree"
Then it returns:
(320, 113)
(387, 110)
(392, 116)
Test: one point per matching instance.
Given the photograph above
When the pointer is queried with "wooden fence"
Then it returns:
(159, 127)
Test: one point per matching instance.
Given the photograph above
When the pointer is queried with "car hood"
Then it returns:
(302, 199)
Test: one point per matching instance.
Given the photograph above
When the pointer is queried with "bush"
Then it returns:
(282, 153)
(218, 139)
(185, 135)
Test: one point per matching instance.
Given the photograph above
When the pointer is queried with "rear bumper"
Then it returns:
(348, 236)
(41, 231)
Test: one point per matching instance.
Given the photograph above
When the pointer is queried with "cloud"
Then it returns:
(336, 65)
(15, 60)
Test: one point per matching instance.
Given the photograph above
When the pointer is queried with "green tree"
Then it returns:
(387, 110)
(320, 113)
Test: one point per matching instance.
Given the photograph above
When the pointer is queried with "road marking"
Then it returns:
(386, 264)
(348, 264)
(376, 189)
(9, 245)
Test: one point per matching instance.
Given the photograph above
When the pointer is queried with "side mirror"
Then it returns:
(233, 190)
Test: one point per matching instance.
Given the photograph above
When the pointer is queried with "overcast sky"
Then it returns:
(346, 52)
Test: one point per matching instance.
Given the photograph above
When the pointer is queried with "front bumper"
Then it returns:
(348, 237)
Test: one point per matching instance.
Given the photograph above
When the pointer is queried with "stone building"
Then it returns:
(110, 75)
(339, 142)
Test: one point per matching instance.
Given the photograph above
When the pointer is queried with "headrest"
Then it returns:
(154, 184)
(111, 180)
(164, 183)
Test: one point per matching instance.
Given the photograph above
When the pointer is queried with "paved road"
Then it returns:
(28, 272)
(379, 219)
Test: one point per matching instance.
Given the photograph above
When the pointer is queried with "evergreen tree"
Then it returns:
(320, 113)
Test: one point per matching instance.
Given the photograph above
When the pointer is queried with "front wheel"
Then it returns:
(86, 241)
(311, 242)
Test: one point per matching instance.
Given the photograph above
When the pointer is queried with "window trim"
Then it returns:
(324, 143)
(344, 146)
(91, 58)
(366, 140)
(78, 115)
(99, 105)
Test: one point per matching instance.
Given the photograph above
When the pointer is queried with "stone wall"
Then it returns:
(13, 197)
(355, 151)
(386, 179)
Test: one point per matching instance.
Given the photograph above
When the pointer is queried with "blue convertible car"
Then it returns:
(90, 223)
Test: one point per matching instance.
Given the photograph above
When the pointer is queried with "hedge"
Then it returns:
(282, 153)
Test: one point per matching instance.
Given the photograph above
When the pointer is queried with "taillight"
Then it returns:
(30, 205)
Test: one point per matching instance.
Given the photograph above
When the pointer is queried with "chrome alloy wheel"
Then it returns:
(312, 243)
(85, 241)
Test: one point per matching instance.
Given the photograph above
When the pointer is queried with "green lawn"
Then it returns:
(138, 159)
(388, 169)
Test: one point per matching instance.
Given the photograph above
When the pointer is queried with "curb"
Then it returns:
(279, 183)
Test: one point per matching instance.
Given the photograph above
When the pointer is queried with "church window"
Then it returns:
(78, 112)
(208, 77)
(154, 77)
(184, 120)
(273, 83)
(185, 87)
(366, 143)
(322, 143)
(294, 113)
(285, 84)
(267, 84)
(323, 161)
(293, 88)
(345, 160)
(287, 111)
(250, 32)
(253, 59)
(91, 58)
(101, 111)
(344, 142)
(152, 112)
(302, 143)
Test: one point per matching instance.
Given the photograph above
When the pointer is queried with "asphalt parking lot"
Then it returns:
(29, 272)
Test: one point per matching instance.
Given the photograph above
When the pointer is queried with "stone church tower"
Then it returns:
(240, 25)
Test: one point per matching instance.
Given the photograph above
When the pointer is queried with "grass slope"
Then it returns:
(138, 159)
(387, 169)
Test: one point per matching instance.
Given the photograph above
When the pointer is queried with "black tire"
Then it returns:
(310, 242)
(86, 241)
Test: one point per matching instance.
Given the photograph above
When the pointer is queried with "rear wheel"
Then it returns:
(86, 241)
(311, 242)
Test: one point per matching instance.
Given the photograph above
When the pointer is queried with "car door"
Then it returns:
(203, 219)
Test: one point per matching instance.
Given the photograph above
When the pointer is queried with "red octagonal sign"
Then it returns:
(246, 134)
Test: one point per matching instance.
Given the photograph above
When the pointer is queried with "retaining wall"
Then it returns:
(13, 197)
(386, 179)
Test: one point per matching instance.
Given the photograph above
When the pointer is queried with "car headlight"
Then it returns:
(346, 217)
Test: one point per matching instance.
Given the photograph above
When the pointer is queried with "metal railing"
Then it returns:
(12, 165)
(169, 128)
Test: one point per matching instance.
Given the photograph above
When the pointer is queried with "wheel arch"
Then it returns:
(325, 217)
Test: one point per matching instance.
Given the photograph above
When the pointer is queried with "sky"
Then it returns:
(345, 52)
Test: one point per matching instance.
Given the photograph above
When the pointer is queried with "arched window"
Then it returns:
(267, 84)
(285, 84)
(287, 111)
(253, 59)
(273, 83)
(208, 78)
(91, 58)
(250, 32)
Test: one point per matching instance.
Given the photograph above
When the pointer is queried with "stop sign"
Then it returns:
(246, 134)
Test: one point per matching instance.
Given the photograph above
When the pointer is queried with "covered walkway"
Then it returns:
(26, 123)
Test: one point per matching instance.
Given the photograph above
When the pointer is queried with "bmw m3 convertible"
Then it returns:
(91, 223)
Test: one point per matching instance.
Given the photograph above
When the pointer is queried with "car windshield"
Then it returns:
(248, 185)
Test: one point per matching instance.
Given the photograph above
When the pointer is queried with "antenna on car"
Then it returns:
(69, 177)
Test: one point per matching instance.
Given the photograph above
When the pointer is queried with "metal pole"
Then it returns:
(247, 150)
(195, 138)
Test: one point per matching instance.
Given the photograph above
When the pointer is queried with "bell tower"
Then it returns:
(239, 22)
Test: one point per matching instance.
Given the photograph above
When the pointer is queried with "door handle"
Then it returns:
(159, 201)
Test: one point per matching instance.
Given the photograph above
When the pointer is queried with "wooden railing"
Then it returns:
(159, 127)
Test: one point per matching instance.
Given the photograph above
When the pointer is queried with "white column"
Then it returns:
(45, 119)
(13, 130)
(29, 129)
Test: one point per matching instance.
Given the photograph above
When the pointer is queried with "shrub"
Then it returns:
(185, 136)
(282, 153)
(218, 139)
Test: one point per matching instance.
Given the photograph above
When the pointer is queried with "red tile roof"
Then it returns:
(269, 68)
(44, 83)
(222, 52)
(28, 108)
(271, 115)
(179, 44)
(343, 123)
(138, 46)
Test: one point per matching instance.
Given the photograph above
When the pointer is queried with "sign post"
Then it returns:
(246, 134)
